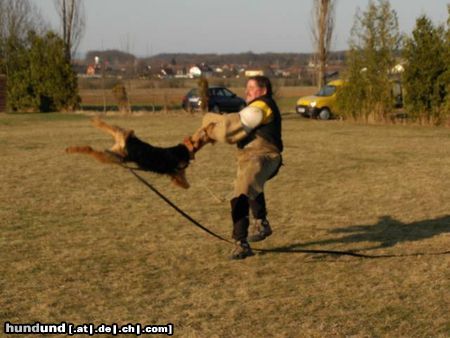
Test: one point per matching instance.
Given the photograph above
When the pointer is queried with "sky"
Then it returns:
(149, 27)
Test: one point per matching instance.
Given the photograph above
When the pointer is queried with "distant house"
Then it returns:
(195, 72)
(181, 73)
(90, 70)
(253, 72)
(207, 71)
(166, 73)
(201, 70)
(282, 73)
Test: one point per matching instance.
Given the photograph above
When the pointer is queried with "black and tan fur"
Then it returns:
(171, 161)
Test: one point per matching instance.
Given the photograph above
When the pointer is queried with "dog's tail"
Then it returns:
(114, 131)
(104, 157)
(99, 123)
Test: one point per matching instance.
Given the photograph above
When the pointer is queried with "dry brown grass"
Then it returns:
(85, 242)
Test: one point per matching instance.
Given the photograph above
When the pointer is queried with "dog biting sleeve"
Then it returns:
(228, 128)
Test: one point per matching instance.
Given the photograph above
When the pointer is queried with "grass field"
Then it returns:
(84, 242)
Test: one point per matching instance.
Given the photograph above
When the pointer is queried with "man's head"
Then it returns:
(257, 86)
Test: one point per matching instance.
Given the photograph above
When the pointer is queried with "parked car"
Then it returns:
(221, 99)
(323, 104)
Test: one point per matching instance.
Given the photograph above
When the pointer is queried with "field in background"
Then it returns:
(85, 242)
(143, 96)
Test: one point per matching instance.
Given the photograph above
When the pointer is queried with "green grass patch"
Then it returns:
(11, 119)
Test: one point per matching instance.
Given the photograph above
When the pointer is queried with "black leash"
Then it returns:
(169, 202)
(274, 250)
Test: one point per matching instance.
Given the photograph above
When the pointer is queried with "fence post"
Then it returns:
(165, 102)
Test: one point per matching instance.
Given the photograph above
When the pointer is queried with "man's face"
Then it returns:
(252, 91)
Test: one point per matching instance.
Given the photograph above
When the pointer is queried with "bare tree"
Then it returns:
(323, 14)
(71, 14)
(17, 19)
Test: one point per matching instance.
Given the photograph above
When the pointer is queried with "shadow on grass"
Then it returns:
(387, 232)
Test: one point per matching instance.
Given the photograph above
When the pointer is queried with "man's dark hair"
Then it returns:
(263, 82)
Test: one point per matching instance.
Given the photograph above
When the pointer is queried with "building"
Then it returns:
(90, 70)
(201, 70)
(253, 72)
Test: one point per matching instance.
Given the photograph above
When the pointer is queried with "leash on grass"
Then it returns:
(274, 250)
(169, 202)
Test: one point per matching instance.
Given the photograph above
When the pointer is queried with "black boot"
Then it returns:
(242, 250)
(258, 207)
(260, 230)
(239, 213)
(261, 227)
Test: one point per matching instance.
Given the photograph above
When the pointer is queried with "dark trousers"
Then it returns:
(240, 207)
(258, 207)
(239, 214)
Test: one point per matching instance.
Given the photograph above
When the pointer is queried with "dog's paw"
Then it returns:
(78, 149)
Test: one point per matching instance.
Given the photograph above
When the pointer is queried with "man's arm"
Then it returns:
(231, 128)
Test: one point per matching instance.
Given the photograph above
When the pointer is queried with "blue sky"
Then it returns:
(146, 27)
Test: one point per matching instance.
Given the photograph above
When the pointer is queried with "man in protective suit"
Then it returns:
(256, 130)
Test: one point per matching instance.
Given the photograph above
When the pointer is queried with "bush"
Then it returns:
(40, 77)
(445, 78)
(424, 80)
(374, 43)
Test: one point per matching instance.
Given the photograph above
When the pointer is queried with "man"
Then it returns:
(257, 132)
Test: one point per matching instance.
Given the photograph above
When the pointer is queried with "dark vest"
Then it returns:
(271, 131)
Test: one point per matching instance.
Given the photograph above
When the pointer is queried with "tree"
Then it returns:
(17, 18)
(446, 76)
(41, 78)
(322, 32)
(71, 14)
(423, 78)
(374, 43)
